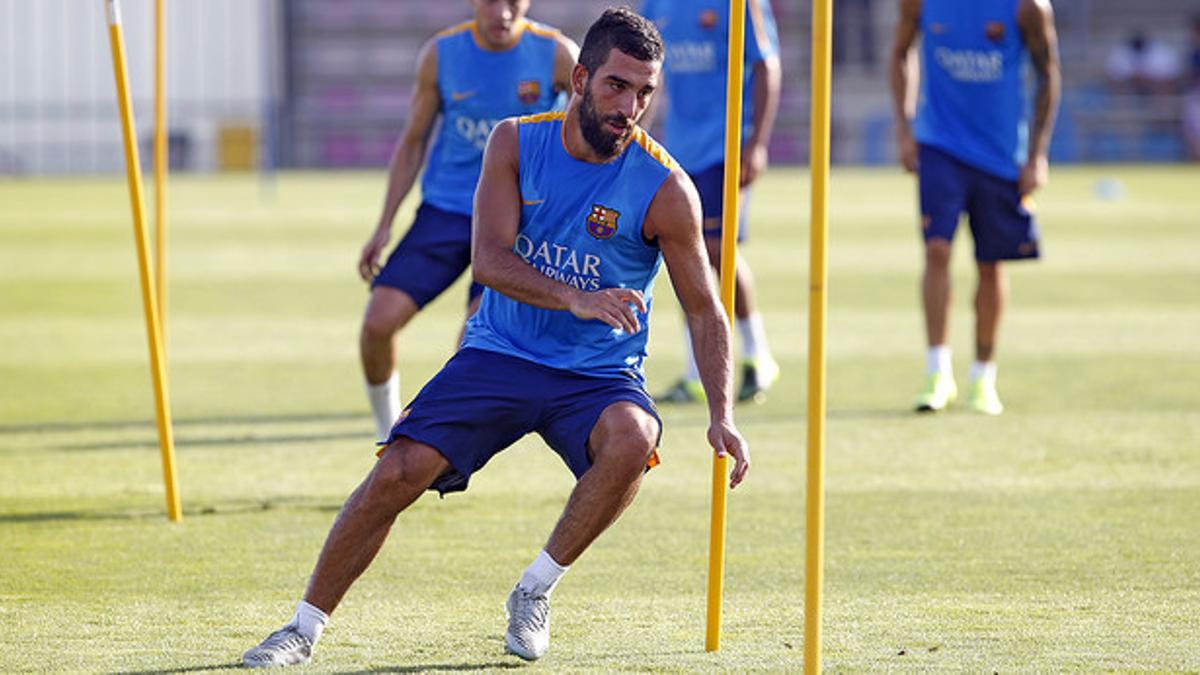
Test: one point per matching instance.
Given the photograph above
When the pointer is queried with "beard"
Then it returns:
(603, 141)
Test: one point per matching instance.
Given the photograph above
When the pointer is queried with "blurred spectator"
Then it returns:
(1195, 75)
(1191, 101)
(850, 17)
(1143, 65)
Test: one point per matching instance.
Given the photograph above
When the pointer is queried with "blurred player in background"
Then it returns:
(470, 76)
(575, 214)
(974, 150)
(696, 33)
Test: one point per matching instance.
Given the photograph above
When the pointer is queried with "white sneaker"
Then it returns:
(528, 634)
(284, 647)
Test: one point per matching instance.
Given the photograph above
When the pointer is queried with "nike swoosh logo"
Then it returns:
(461, 95)
(531, 202)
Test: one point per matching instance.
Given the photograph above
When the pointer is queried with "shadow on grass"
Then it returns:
(203, 511)
(237, 665)
(194, 669)
(244, 439)
(871, 414)
(149, 424)
(434, 667)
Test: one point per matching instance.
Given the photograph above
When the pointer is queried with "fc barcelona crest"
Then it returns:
(529, 91)
(602, 221)
(994, 31)
(708, 19)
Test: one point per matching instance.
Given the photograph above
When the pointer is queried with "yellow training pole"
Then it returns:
(819, 226)
(729, 231)
(160, 164)
(149, 302)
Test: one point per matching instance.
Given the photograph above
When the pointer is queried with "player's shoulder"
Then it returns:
(675, 206)
(542, 30)
(653, 149)
(455, 30)
(538, 118)
(1034, 10)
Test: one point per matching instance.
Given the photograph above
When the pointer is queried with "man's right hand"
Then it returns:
(368, 262)
(907, 145)
(613, 306)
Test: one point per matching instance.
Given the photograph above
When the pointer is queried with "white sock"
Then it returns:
(754, 337)
(309, 621)
(937, 360)
(692, 371)
(542, 575)
(983, 369)
(385, 404)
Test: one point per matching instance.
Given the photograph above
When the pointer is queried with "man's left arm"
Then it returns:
(763, 50)
(566, 53)
(1036, 20)
(674, 220)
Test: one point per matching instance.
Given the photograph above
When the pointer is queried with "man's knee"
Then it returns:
(387, 312)
(937, 253)
(990, 272)
(624, 438)
(406, 467)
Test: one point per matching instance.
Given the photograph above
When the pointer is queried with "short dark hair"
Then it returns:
(624, 29)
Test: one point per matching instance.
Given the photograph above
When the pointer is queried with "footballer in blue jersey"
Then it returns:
(975, 151)
(574, 213)
(469, 77)
(696, 34)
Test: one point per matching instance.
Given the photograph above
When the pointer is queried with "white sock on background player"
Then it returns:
(754, 337)
(937, 360)
(385, 404)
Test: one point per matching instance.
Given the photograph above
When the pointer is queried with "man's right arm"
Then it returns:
(904, 74)
(407, 157)
(494, 224)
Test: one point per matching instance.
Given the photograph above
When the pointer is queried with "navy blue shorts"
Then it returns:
(1001, 223)
(710, 183)
(481, 402)
(432, 255)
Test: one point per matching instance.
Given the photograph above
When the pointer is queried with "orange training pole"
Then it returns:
(149, 302)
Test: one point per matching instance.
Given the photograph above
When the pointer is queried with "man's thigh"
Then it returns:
(942, 184)
(576, 417)
(1001, 221)
(432, 255)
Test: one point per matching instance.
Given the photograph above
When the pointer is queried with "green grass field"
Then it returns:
(1064, 535)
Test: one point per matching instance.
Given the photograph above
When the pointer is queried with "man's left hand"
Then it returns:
(754, 162)
(1034, 175)
(726, 440)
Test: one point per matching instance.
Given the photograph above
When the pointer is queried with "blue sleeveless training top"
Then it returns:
(478, 89)
(973, 99)
(581, 223)
(696, 35)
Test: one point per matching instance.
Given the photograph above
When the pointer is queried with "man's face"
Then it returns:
(497, 20)
(614, 98)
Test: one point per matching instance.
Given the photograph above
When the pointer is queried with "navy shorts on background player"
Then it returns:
(710, 183)
(432, 255)
(1002, 226)
(481, 402)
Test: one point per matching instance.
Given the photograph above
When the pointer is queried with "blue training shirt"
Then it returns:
(696, 35)
(479, 88)
(973, 93)
(581, 223)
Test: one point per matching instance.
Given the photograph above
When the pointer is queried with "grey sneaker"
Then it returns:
(528, 634)
(284, 647)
